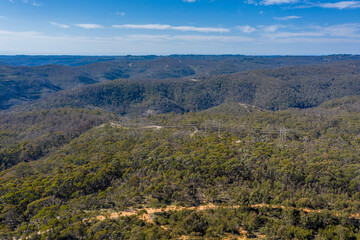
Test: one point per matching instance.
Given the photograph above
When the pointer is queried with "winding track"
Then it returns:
(146, 214)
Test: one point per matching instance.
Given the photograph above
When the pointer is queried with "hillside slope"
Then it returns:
(274, 89)
(21, 84)
(28, 136)
(120, 166)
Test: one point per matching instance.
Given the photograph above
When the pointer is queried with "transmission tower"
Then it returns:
(283, 134)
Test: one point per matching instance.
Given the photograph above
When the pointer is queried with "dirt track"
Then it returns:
(147, 214)
(150, 211)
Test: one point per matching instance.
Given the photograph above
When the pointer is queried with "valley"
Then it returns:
(263, 151)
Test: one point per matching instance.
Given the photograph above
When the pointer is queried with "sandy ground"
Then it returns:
(147, 214)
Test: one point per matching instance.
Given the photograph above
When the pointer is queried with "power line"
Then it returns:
(283, 134)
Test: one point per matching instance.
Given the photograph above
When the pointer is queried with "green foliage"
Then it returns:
(28, 136)
(192, 82)
(274, 89)
(118, 166)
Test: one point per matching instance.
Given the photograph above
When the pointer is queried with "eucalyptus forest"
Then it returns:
(180, 147)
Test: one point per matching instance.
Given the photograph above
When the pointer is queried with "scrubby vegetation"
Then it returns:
(297, 87)
(123, 165)
(34, 77)
(260, 154)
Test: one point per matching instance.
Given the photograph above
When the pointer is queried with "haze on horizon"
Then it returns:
(162, 27)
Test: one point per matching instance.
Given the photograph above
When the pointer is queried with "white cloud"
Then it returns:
(307, 4)
(251, 2)
(36, 4)
(169, 27)
(322, 40)
(146, 37)
(270, 2)
(189, 1)
(35, 43)
(143, 26)
(246, 29)
(277, 2)
(207, 38)
(341, 5)
(89, 26)
(294, 35)
(18, 34)
(40, 43)
(212, 38)
(2, 17)
(271, 28)
(59, 25)
(286, 18)
(200, 29)
(350, 30)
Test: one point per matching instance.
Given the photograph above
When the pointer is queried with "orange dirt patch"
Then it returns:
(149, 212)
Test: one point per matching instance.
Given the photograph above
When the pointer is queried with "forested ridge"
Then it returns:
(299, 87)
(27, 78)
(180, 147)
(120, 164)
(276, 61)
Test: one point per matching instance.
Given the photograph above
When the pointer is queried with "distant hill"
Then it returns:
(28, 60)
(272, 89)
(180, 147)
(20, 84)
(23, 60)
(28, 136)
(234, 109)
(348, 104)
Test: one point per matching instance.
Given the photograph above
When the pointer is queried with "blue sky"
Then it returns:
(140, 27)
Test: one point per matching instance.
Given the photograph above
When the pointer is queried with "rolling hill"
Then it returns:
(180, 147)
(272, 89)
(128, 179)
(20, 84)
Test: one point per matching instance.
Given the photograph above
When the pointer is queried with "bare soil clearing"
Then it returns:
(147, 214)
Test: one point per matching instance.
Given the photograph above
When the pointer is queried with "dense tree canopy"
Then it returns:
(180, 147)
(123, 164)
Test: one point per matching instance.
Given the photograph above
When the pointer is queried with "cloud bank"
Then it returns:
(89, 25)
(169, 27)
